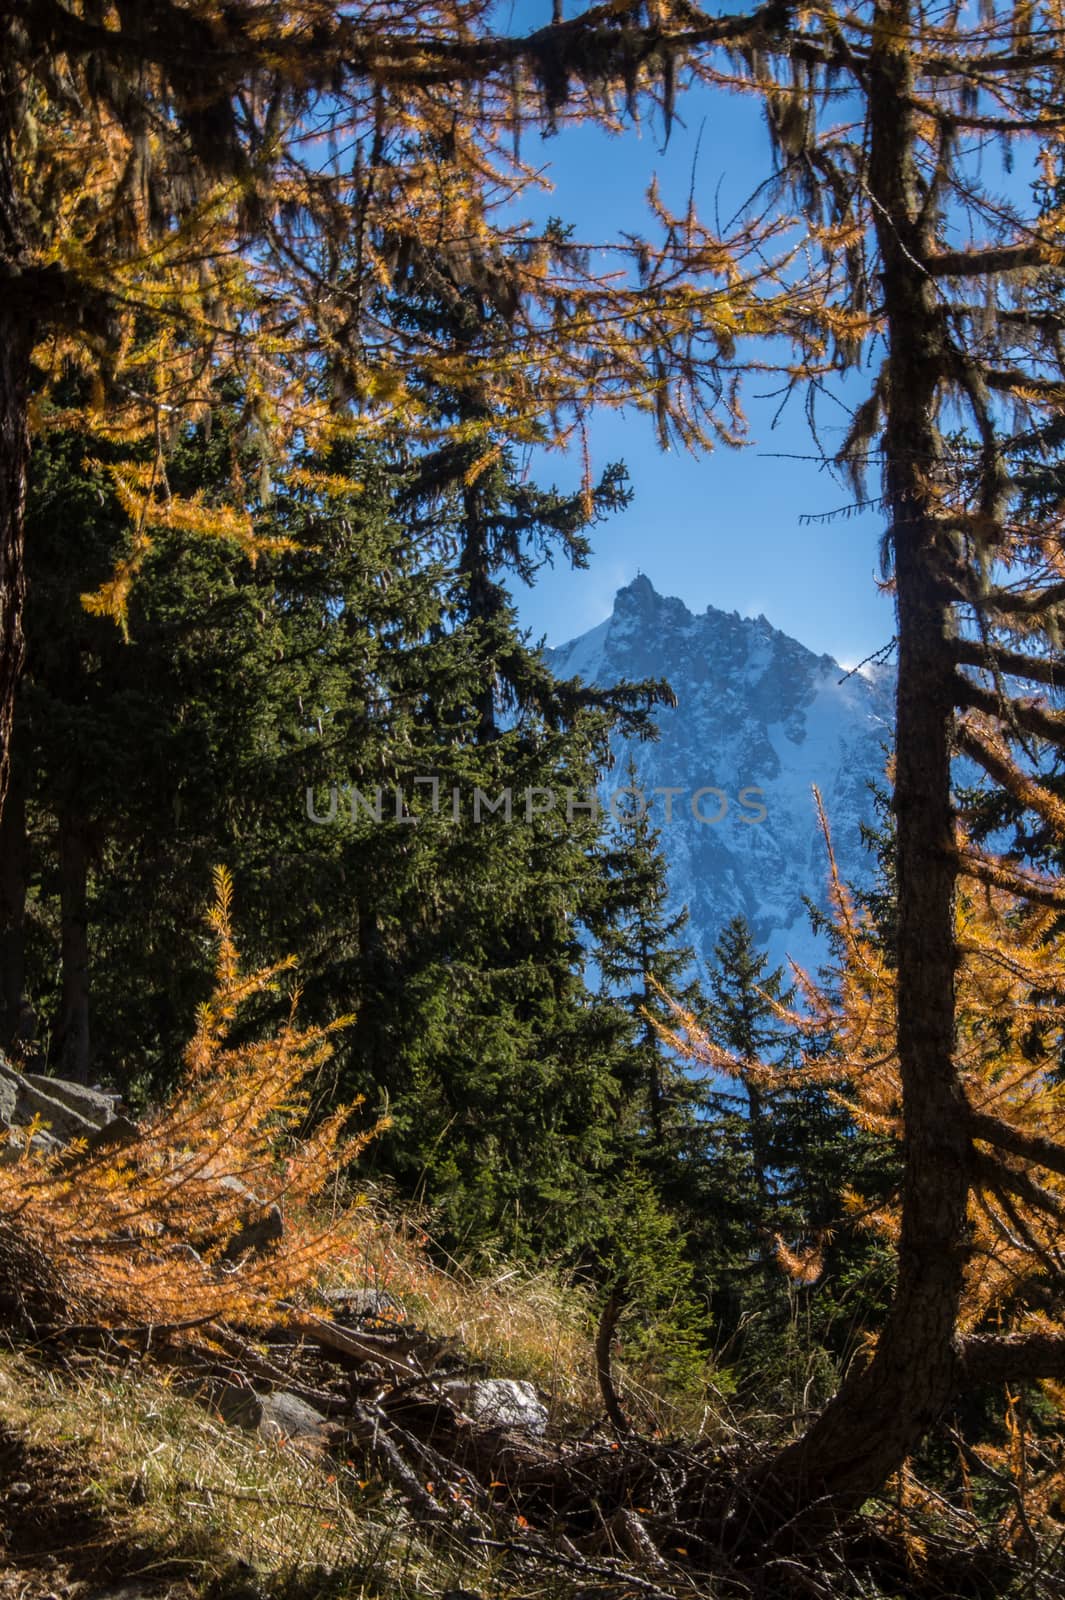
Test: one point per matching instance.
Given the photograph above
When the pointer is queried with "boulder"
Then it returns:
(96, 1105)
(13, 1145)
(286, 1416)
(499, 1403)
(239, 1404)
(8, 1094)
(278, 1415)
(66, 1110)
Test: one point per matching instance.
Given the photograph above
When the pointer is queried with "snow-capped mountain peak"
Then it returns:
(759, 720)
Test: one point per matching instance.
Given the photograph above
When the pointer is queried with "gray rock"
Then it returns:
(235, 1403)
(121, 1130)
(67, 1110)
(98, 1106)
(499, 1403)
(279, 1415)
(286, 1416)
(95, 1105)
(8, 1093)
(13, 1145)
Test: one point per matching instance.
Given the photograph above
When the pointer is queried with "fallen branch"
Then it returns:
(394, 1352)
(375, 1436)
(542, 1551)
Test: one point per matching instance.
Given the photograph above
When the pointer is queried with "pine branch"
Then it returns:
(1048, 725)
(992, 756)
(998, 874)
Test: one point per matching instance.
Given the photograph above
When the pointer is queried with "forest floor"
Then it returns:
(122, 1479)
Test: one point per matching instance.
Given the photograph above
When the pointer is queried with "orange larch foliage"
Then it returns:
(1010, 1044)
(147, 1233)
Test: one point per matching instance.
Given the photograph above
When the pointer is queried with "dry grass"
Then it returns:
(183, 1494)
(521, 1322)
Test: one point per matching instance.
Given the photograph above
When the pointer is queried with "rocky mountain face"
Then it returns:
(759, 720)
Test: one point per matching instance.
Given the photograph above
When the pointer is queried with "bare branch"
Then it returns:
(999, 874)
(603, 1339)
(1007, 1358)
(1033, 1147)
(997, 1176)
(981, 263)
(1009, 663)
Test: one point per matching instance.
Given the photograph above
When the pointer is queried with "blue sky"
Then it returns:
(723, 530)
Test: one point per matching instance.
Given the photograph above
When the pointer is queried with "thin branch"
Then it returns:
(603, 1340)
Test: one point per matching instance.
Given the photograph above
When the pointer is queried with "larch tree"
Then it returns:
(892, 249)
(190, 189)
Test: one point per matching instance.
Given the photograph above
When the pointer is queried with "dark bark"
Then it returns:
(17, 333)
(16, 1029)
(1011, 1358)
(882, 1410)
(16, 340)
(70, 1056)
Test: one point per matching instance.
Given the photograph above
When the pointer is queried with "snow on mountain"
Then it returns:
(759, 720)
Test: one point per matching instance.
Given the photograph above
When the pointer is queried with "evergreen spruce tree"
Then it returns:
(741, 1016)
(789, 1267)
(508, 1062)
(324, 680)
(642, 958)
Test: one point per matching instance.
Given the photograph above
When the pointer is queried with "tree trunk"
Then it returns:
(759, 1158)
(15, 1029)
(70, 1042)
(483, 604)
(882, 1410)
(16, 342)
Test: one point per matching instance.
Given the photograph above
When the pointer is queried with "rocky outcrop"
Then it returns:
(370, 1308)
(64, 1111)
